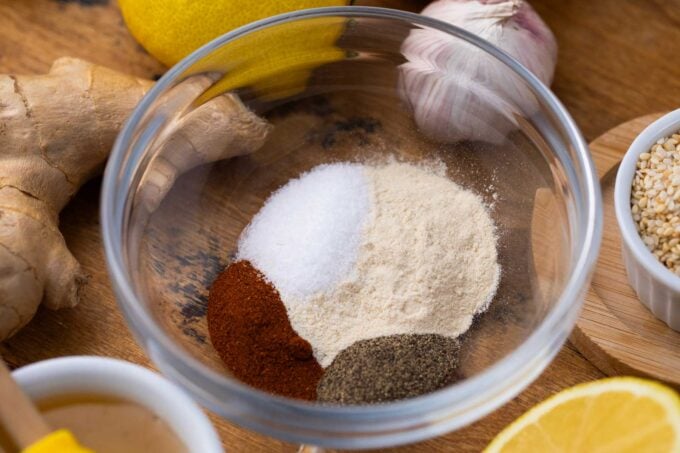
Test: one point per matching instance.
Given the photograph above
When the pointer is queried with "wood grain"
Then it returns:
(618, 60)
(615, 331)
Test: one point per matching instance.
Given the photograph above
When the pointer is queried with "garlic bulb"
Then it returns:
(459, 92)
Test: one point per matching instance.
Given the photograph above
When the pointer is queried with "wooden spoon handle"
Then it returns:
(19, 417)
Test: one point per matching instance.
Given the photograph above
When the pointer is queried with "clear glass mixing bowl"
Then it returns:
(330, 81)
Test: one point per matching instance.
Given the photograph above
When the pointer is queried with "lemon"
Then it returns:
(275, 62)
(171, 29)
(615, 415)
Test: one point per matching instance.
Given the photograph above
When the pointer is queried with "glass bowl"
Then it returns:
(331, 82)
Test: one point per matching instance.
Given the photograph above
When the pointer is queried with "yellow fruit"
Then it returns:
(275, 62)
(171, 29)
(616, 415)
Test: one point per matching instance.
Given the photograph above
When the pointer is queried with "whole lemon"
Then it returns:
(171, 29)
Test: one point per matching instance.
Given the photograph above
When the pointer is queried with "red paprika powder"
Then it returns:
(249, 327)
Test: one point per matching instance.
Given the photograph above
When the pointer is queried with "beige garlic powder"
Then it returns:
(427, 264)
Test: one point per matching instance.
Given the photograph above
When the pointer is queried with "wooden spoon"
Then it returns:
(25, 426)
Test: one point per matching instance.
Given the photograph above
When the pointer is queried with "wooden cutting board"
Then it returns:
(615, 331)
(598, 86)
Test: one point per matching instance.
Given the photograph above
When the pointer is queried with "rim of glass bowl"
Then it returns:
(470, 397)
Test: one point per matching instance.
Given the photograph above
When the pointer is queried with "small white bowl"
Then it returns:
(116, 378)
(656, 286)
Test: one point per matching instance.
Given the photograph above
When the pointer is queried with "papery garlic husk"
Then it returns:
(458, 91)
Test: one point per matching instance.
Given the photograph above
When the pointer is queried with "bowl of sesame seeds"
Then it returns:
(647, 204)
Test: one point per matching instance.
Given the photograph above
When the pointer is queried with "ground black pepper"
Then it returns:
(390, 368)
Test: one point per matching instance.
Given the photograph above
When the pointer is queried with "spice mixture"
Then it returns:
(371, 272)
(250, 330)
(390, 368)
(655, 200)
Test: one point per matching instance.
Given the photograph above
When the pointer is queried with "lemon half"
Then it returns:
(614, 415)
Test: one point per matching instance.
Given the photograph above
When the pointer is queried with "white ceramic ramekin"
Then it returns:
(656, 286)
(116, 378)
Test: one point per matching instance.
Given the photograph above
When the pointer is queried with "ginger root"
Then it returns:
(56, 131)
(221, 127)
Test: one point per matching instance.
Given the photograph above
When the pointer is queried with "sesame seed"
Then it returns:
(655, 200)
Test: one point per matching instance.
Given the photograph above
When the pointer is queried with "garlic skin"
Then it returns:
(459, 92)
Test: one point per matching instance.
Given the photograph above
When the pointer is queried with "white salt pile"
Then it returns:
(306, 237)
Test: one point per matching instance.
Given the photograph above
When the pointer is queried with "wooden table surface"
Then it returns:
(619, 59)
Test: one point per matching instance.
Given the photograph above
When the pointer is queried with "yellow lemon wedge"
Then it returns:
(616, 415)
